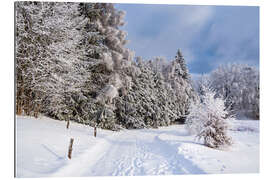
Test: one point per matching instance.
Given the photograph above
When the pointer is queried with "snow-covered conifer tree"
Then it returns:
(178, 79)
(47, 40)
(25, 43)
(72, 60)
(209, 120)
(183, 67)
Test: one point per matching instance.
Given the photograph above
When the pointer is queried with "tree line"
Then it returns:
(238, 84)
(72, 64)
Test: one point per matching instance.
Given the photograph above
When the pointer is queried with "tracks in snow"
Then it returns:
(130, 152)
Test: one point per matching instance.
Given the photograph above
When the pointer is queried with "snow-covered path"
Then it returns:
(130, 153)
(167, 150)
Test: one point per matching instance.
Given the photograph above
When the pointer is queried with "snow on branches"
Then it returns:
(208, 119)
(71, 60)
(239, 85)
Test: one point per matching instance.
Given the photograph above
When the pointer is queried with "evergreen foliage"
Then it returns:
(72, 64)
(181, 65)
(208, 119)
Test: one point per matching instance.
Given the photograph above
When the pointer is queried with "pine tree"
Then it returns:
(181, 67)
(208, 120)
(92, 42)
(31, 55)
(153, 100)
(67, 72)
(73, 63)
(50, 32)
(178, 80)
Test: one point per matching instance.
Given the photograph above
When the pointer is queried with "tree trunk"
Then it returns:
(36, 111)
(19, 101)
(19, 107)
(26, 107)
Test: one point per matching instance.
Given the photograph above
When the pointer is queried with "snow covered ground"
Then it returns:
(42, 145)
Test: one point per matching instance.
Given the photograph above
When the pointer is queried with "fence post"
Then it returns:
(67, 124)
(70, 148)
(95, 131)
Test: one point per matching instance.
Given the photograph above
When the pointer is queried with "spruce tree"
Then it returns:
(31, 55)
(208, 119)
(72, 60)
(178, 79)
(181, 65)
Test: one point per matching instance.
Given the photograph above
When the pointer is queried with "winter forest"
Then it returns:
(72, 65)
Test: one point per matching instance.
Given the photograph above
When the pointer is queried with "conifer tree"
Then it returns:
(181, 65)
(31, 54)
(72, 61)
(183, 92)
(209, 120)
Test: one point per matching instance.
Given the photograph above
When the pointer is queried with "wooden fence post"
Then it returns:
(67, 124)
(70, 148)
(95, 131)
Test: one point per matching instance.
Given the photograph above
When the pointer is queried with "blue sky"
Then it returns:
(207, 35)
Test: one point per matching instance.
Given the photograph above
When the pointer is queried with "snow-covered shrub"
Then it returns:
(208, 120)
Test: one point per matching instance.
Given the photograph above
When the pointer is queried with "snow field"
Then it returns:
(42, 146)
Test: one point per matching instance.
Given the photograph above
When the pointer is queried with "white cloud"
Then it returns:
(212, 34)
(195, 16)
(184, 25)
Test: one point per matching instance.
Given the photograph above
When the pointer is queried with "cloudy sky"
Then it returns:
(207, 35)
